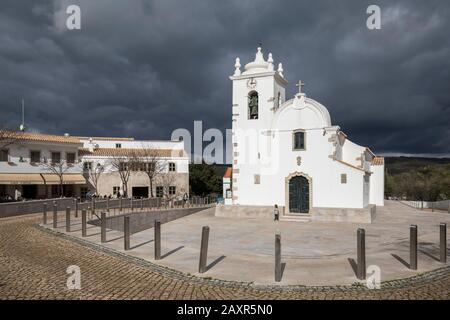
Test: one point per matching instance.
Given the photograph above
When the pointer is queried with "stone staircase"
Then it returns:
(301, 217)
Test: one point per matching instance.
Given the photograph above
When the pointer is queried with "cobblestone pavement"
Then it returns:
(33, 265)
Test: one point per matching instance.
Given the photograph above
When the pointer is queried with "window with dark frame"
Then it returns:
(70, 157)
(172, 190)
(56, 157)
(299, 140)
(172, 167)
(35, 156)
(116, 190)
(4, 155)
(118, 145)
(159, 191)
(87, 165)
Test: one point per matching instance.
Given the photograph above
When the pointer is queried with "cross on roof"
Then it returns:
(300, 84)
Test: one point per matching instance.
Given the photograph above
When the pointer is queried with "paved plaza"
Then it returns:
(34, 260)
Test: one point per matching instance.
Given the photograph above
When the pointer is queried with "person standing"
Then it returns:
(276, 213)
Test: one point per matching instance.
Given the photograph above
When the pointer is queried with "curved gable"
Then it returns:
(301, 112)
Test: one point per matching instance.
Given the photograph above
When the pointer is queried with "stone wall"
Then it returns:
(140, 221)
(34, 206)
(365, 215)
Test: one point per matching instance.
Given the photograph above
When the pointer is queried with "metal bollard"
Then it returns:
(203, 250)
(83, 223)
(103, 227)
(413, 247)
(157, 239)
(68, 219)
(361, 254)
(55, 216)
(131, 203)
(107, 204)
(120, 204)
(44, 218)
(93, 208)
(142, 204)
(278, 257)
(443, 242)
(126, 231)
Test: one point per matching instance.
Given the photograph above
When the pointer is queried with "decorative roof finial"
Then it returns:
(280, 69)
(237, 65)
(270, 61)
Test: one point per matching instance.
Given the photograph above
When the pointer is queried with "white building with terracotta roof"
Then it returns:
(288, 152)
(26, 159)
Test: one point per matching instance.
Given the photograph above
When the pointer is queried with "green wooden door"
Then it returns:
(299, 195)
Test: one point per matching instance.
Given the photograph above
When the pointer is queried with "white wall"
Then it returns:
(377, 185)
(153, 144)
(23, 150)
(327, 189)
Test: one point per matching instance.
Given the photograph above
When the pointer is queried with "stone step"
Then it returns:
(298, 217)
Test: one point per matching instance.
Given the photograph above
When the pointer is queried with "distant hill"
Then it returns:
(395, 165)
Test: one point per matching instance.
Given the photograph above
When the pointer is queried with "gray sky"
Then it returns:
(145, 68)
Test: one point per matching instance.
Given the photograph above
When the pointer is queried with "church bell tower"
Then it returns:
(258, 92)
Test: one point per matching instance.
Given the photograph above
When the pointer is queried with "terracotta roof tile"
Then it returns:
(34, 136)
(378, 161)
(228, 173)
(117, 152)
(105, 138)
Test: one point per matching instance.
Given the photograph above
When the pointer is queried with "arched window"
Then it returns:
(253, 105)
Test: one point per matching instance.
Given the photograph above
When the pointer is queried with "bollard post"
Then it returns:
(93, 207)
(68, 219)
(131, 203)
(103, 227)
(361, 254)
(443, 242)
(75, 207)
(107, 204)
(157, 239)
(203, 250)
(432, 207)
(120, 204)
(278, 257)
(126, 231)
(142, 203)
(83, 223)
(55, 216)
(413, 247)
(44, 218)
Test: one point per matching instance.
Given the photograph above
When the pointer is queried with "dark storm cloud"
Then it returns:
(145, 68)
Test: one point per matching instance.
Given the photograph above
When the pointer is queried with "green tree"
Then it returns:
(203, 180)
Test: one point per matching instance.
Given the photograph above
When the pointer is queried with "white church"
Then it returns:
(286, 152)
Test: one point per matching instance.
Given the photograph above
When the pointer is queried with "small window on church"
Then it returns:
(278, 101)
(299, 140)
(257, 179)
(253, 105)
(343, 178)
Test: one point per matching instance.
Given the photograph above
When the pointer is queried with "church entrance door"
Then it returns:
(298, 195)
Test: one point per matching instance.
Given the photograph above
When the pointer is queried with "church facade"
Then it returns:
(287, 152)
